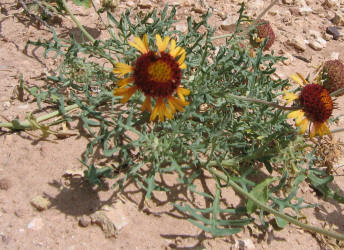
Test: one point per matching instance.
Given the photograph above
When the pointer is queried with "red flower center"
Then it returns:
(316, 103)
(157, 75)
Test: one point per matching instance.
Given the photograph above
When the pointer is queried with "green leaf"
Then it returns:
(260, 192)
(85, 3)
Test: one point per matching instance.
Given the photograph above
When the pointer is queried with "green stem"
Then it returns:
(77, 22)
(27, 124)
(272, 104)
(266, 208)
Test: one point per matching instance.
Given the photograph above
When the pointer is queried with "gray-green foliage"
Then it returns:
(237, 138)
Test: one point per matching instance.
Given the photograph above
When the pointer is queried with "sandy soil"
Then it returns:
(30, 167)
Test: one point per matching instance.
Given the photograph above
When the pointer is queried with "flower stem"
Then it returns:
(28, 125)
(77, 22)
(272, 104)
(337, 92)
(266, 208)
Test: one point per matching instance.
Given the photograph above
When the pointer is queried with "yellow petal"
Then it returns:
(289, 97)
(172, 46)
(182, 66)
(297, 79)
(181, 59)
(122, 69)
(319, 129)
(181, 92)
(140, 45)
(303, 125)
(147, 104)
(124, 82)
(168, 113)
(125, 92)
(170, 103)
(302, 78)
(162, 45)
(295, 114)
(161, 112)
(156, 109)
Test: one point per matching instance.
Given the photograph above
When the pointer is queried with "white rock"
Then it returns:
(315, 45)
(116, 214)
(245, 244)
(36, 224)
(305, 10)
(181, 27)
(314, 33)
(289, 59)
(322, 41)
(334, 55)
(298, 43)
(6, 105)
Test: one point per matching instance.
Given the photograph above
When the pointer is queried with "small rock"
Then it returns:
(145, 4)
(40, 203)
(5, 184)
(327, 37)
(4, 238)
(198, 10)
(245, 244)
(181, 27)
(294, 11)
(130, 3)
(315, 45)
(116, 214)
(338, 19)
(19, 213)
(305, 10)
(334, 55)
(222, 15)
(84, 221)
(288, 1)
(229, 23)
(289, 59)
(332, 30)
(330, 4)
(150, 20)
(6, 105)
(36, 224)
(298, 43)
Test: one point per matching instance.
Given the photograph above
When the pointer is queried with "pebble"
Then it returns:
(305, 10)
(6, 105)
(145, 4)
(289, 59)
(298, 43)
(334, 55)
(229, 23)
(36, 224)
(315, 45)
(338, 19)
(84, 221)
(288, 1)
(5, 184)
(116, 214)
(181, 27)
(19, 213)
(40, 203)
(246, 244)
(332, 30)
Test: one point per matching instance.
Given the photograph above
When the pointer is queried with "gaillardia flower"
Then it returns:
(157, 74)
(316, 107)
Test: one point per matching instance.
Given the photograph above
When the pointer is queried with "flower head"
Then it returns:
(158, 75)
(263, 31)
(316, 107)
(333, 75)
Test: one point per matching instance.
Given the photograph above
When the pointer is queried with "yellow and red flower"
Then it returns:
(158, 75)
(316, 107)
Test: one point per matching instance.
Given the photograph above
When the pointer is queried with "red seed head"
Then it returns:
(316, 103)
(333, 75)
(157, 75)
(264, 30)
